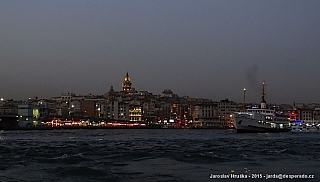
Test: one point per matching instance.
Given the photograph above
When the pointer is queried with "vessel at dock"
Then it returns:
(305, 127)
(261, 119)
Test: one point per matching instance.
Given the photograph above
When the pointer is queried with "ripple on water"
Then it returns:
(163, 155)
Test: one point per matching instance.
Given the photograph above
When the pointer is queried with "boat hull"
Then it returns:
(249, 130)
(256, 123)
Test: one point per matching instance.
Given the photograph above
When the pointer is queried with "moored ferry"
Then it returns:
(261, 120)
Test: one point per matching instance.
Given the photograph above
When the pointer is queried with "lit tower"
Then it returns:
(126, 84)
(263, 102)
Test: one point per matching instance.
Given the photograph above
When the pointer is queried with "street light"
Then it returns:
(244, 98)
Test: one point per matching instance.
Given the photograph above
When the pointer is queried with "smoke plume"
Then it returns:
(252, 78)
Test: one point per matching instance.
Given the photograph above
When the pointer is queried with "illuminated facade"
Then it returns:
(126, 84)
(135, 113)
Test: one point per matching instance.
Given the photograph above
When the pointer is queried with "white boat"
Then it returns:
(304, 128)
(261, 120)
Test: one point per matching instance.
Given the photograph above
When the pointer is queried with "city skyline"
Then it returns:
(201, 49)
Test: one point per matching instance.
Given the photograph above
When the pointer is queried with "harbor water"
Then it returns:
(155, 155)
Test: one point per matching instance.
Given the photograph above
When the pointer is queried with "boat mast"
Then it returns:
(263, 101)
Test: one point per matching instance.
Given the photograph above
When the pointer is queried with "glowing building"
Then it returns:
(126, 84)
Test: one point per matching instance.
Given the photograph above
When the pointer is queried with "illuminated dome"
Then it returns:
(127, 78)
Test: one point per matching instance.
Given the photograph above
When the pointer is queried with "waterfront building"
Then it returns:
(8, 122)
(149, 111)
(28, 115)
(7, 108)
(123, 111)
(75, 108)
(8, 114)
(206, 115)
(92, 106)
(316, 113)
(181, 112)
(305, 114)
(226, 109)
(43, 105)
(117, 110)
(88, 108)
(100, 109)
(60, 109)
(65, 105)
(135, 112)
(165, 111)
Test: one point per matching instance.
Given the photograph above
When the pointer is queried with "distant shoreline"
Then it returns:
(90, 128)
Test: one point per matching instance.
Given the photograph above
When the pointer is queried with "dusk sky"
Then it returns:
(201, 48)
